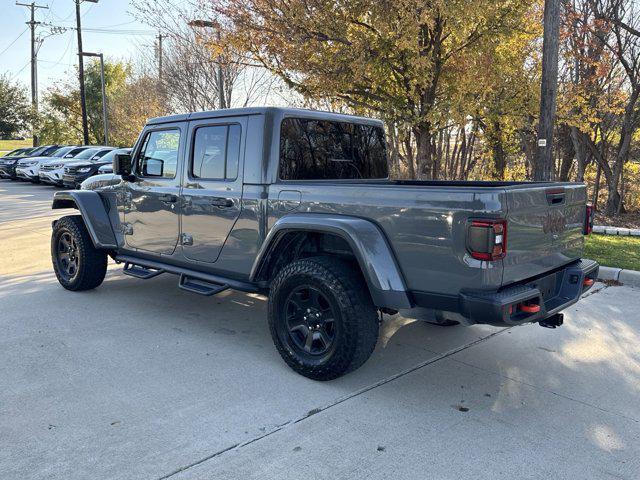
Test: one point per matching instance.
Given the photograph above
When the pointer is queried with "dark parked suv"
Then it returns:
(77, 172)
(297, 205)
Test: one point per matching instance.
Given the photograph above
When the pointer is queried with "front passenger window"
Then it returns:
(159, 154)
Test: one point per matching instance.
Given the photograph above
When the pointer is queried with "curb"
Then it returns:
(626, 277)
(624, 232)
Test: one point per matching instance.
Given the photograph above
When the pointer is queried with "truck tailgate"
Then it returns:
(545, 225)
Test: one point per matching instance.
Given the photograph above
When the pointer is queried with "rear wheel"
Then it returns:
(321, 317)
(78, 265)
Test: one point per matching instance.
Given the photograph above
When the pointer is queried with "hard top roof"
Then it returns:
(271, 111)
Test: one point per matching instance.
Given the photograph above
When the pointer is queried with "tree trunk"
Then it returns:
(596, 188)
(614, 202)
(582, 153)
(567, 153)
(497, 149)
(424, 147)
(409, 153)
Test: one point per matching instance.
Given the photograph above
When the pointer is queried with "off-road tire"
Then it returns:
(91, 262)
(356, 319)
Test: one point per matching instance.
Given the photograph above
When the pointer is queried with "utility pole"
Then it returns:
(34, 58)
(83, 98)
(160, 37)
(543, 168)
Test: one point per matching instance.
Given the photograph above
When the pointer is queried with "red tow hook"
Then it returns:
(588, 282)
(531, 308)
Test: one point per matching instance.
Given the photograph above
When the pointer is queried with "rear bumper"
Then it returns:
(549, 294)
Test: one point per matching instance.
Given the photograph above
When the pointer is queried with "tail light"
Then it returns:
(588, 220)
(487, 239)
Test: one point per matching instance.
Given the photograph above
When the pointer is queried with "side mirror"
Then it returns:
(122, 165)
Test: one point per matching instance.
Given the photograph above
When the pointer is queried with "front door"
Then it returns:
(212, 192)
(152, 211)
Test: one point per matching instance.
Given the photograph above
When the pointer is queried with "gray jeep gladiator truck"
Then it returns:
(297, 205)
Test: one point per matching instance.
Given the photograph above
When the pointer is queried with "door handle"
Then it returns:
(168, 198)
(221, 202)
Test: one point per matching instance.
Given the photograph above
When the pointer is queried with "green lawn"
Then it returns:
(614, 251)
(8, 145)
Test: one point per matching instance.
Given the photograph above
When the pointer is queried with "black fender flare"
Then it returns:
(368, 242)
(94, 212)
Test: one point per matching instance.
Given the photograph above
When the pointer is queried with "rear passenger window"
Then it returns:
(325, 150)
(216, 151)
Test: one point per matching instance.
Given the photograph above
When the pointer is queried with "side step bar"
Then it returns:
(201, 287)
(143, 265)
(139, 271)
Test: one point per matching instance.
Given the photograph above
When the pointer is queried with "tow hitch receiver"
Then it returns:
(553, 321)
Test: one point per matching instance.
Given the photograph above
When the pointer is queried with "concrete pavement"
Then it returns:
(140, 380)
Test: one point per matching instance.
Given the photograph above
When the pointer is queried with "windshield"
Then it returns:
(37, 151)
(47, 151)
(109, 156)
(25, 152)
(87, 154)
(61, 152)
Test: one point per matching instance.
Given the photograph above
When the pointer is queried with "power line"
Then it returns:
(14, 41)
(105, 30)
(15, 75)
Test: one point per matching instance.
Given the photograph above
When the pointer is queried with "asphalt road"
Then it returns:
(140, 380)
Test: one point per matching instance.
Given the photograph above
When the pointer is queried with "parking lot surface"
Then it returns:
(140, 380)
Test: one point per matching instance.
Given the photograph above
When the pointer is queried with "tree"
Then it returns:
(602, 100)
(116, 75)
(131, 100)
(195, 56)
(16, 114)
(399, 58)
(132, 106)
(622, 18)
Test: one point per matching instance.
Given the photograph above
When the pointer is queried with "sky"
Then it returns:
(122, 37)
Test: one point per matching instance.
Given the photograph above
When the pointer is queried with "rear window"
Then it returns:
(325, 150)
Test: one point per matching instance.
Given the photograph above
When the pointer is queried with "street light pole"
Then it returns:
(105, 119)
(220, 77)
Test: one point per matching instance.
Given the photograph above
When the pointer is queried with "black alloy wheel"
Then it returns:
(68, 256)
(310, 320)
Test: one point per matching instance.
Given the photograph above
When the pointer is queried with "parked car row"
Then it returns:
(59, 165)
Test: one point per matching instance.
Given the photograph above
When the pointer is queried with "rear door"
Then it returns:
(544, 229)
(152, 206)
(212, 191)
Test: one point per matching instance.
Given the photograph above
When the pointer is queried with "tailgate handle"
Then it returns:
(555, 197)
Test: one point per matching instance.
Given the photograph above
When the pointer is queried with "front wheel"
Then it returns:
(78, 265)
(321, 317)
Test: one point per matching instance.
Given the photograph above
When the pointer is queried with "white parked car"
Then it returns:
(53, 172)
(29, 168)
